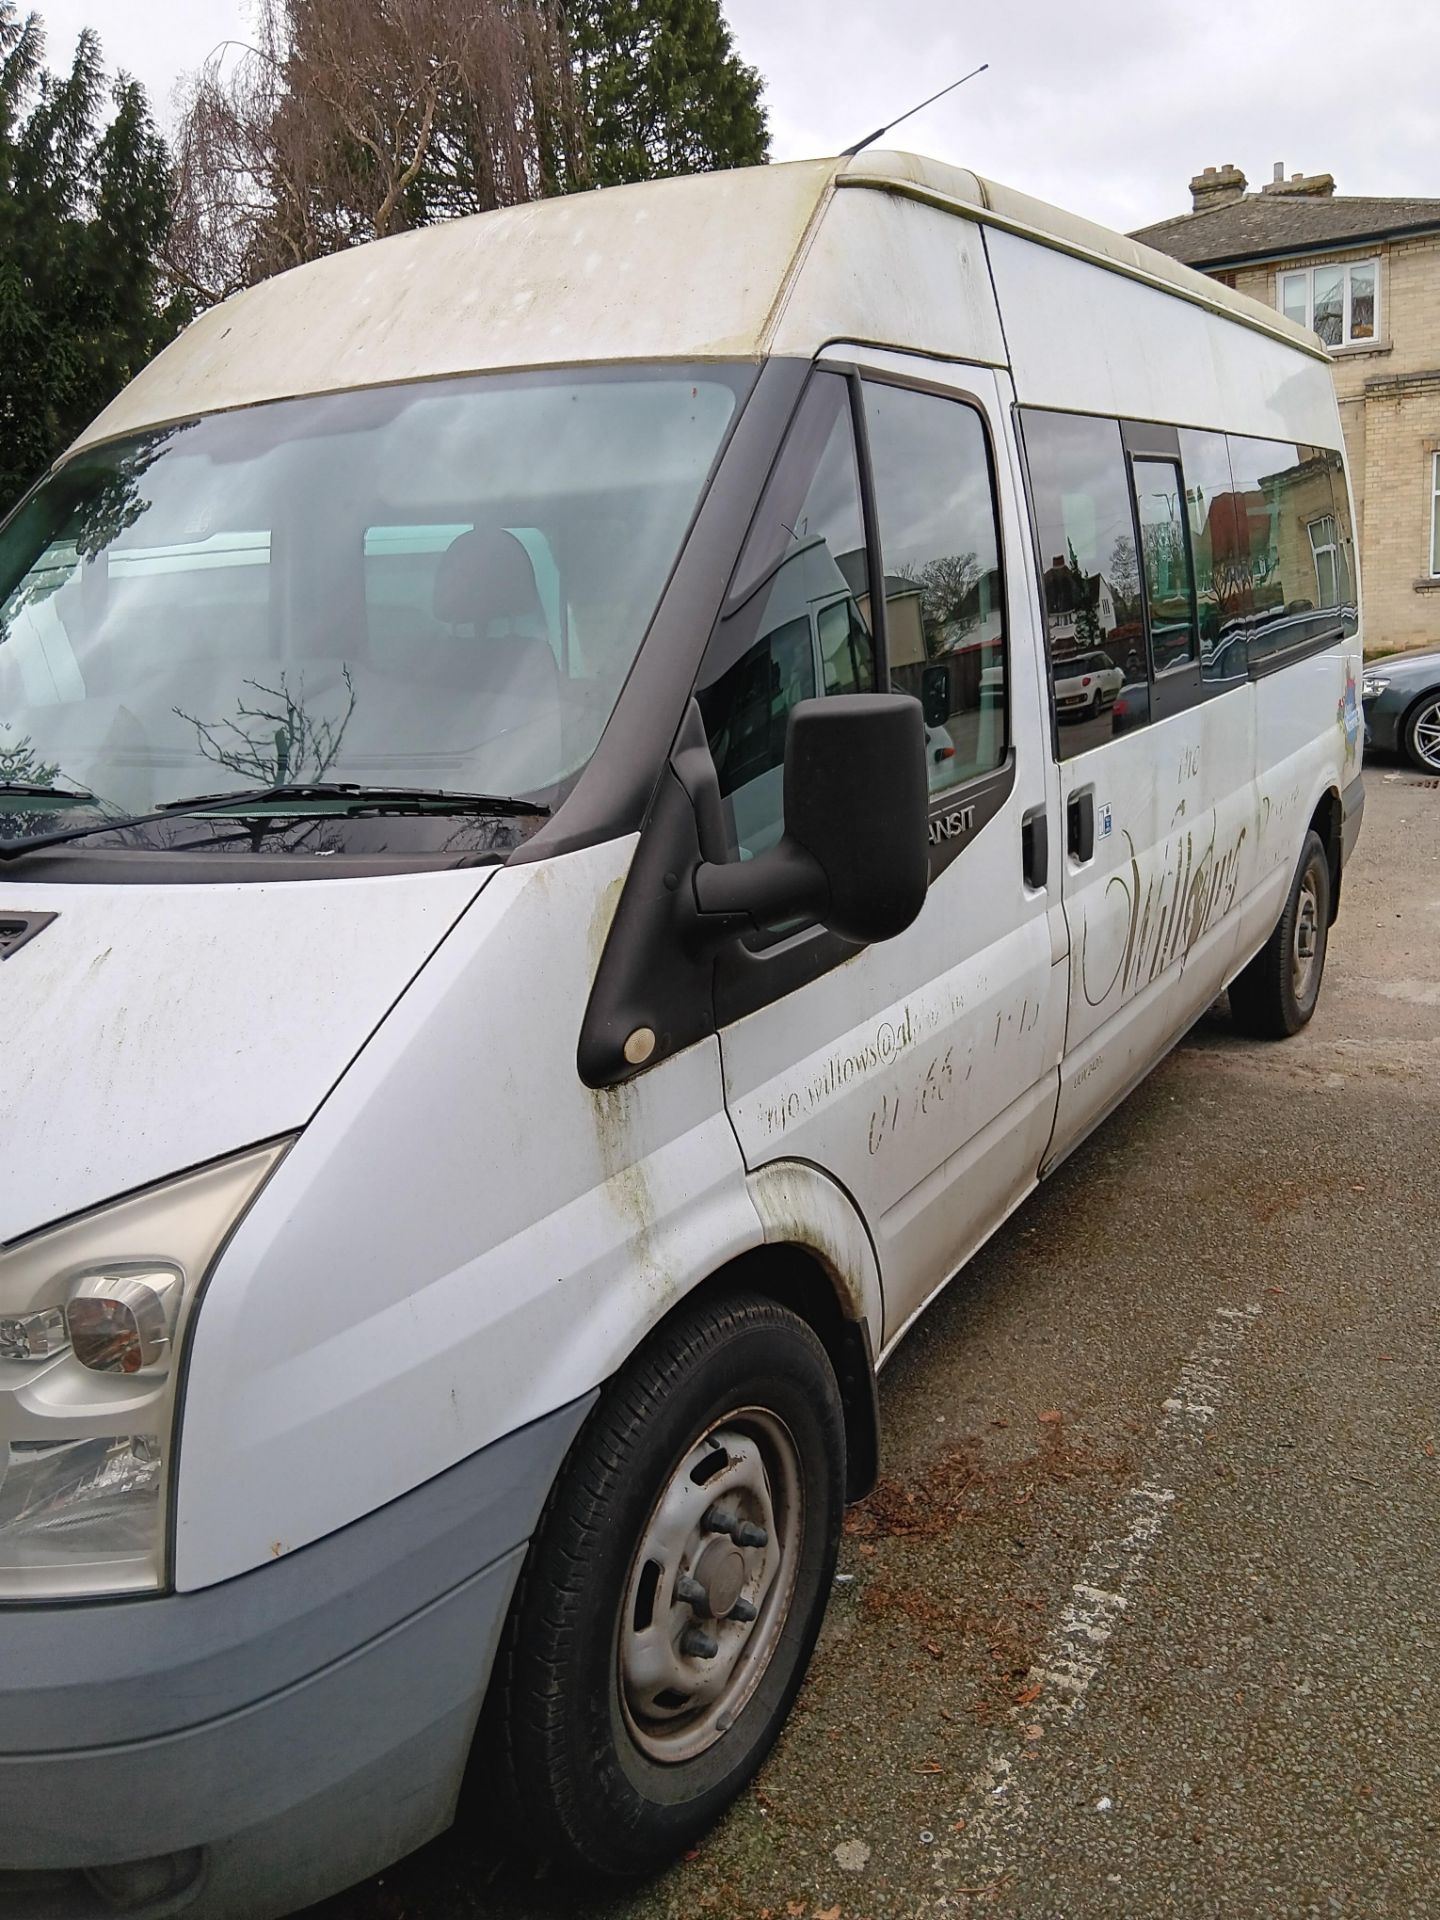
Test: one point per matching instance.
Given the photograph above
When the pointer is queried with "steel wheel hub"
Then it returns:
(1307, 938)
(710, 1586)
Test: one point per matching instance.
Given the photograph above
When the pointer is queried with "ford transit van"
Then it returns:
(589, 798)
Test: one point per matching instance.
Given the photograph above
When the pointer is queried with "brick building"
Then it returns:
(1365, 275)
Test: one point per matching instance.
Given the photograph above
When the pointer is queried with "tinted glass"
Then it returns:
(1086, 533)
(944, 597)
(1222, 577)
(1280, 492)
(1165, 554)
(800, 627)
(440, 586)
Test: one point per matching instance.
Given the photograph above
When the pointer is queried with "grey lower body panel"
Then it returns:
(255, 1749)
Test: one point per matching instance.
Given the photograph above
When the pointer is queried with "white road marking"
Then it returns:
(997, 1804)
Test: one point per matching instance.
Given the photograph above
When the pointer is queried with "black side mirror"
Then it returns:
(935, 696)
(854, 854)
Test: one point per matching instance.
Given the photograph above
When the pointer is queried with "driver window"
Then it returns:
(798, 623)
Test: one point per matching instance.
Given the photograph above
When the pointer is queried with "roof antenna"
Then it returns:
(860, 145)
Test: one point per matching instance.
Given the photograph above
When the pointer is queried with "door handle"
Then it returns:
(1035, 847)
(1080, 825)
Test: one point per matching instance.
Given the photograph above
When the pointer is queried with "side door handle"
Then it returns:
(1035, 847)
(1080, 825)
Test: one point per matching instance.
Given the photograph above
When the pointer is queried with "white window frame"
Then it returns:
(1435, 516)
(1347, 267)
(1329, 542)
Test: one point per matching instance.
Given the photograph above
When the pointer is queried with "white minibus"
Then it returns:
(548, 904)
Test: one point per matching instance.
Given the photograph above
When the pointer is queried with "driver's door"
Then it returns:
(921, 1073)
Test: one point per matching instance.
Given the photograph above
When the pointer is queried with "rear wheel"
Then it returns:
(1422, 734)
(1277, 993)
(673, 1592)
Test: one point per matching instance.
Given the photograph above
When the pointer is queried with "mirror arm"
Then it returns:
(742, 896)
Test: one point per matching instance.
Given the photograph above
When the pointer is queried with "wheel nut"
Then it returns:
(746, 1535)
(742, 1610)
(692, 1593)
(699, 1644)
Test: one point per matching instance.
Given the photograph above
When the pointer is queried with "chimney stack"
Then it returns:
(1216, 187)
(1319, 186)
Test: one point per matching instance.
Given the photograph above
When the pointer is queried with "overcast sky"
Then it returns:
(1106, 107)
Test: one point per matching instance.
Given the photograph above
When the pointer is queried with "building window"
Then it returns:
(1340, 303)
(1435, 516)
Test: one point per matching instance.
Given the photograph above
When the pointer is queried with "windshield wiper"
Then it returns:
(358, 798)
(25, 791)
(388, 799)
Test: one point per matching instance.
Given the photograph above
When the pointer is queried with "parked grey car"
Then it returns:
(1401, 698)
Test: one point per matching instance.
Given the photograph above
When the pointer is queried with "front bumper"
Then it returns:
(1381, 719)
(243, 1751)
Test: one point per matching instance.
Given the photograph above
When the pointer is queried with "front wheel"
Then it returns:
(673, 1592)
(1276, 994)
(1422, 734)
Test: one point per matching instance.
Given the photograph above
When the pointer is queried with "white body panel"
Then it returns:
(1154, 916)
(153, 1027)
(1089, 341)
(464, 1238)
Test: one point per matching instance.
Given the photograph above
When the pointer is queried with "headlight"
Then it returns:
(1372, 686)
(92, 1326)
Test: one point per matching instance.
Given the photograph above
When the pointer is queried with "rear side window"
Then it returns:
(1288, 544)
(1080, 495)
(944, 593)
(797, 622)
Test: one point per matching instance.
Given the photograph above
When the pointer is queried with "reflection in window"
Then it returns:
(1165, 554)
(800, 627)
(944, 597)
(1222, 577)
(1326, 555)
(1086, 531)
(1280, 492)
(379, 583)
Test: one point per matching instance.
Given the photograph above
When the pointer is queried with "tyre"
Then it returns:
(1421, 735)
(1276, 994)
(672, 1594)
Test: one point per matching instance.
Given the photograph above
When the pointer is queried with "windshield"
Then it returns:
(432, 587)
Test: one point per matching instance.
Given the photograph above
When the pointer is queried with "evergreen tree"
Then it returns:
(84, 193)
(660, 90)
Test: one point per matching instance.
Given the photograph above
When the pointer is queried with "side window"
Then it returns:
(1285, 503)
(1165, 558)
(1095, 636)
(1217, 545)
(797, 624)
(944, 593)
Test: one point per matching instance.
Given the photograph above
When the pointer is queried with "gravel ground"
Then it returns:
(1143, 1618)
